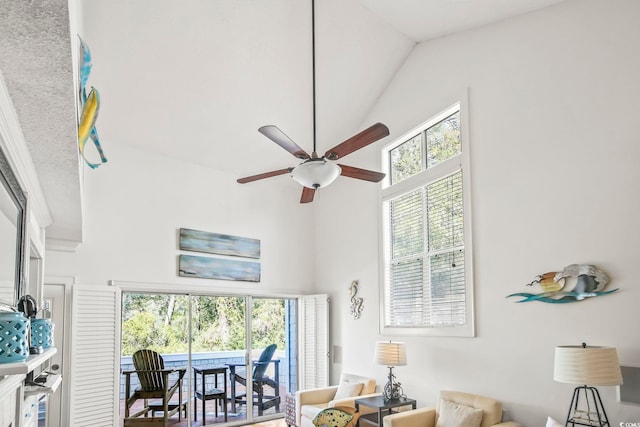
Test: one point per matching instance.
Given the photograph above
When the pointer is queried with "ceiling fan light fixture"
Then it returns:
(316, 173)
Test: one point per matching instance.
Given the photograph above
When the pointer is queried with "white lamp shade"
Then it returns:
(588, 365)
(390, 353)
(316, 173)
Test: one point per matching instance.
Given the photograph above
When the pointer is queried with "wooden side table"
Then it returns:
(383, 407)
(205, 394)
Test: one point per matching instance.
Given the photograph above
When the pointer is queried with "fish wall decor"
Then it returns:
(90, 106)
(575, 282)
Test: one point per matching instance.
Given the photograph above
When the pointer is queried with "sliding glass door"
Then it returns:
(208, 335)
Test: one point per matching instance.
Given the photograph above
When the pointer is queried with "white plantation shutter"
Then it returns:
(94, 357)
(314, 341)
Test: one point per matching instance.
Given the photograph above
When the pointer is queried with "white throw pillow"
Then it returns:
(553, 423)
(347, 389)
(452, 414)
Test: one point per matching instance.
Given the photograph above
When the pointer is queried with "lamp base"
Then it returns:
(594, 415)
(392, 389)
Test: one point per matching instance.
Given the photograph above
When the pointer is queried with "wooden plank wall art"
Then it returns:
(209, 267)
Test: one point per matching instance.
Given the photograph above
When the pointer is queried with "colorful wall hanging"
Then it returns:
(218, 268)
(575, 282)
(89, 107)
(221, 244)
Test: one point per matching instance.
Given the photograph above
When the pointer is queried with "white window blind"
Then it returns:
(427, 274)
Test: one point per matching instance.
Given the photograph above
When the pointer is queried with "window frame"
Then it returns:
(445, 168)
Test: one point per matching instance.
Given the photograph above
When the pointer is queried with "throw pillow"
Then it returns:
(553, 423)
(333, 417)
(346, 389)
(452, 414)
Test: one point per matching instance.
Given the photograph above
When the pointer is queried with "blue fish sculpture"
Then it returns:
(89, 108)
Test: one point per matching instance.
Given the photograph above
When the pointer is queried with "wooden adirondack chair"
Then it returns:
(156, 383)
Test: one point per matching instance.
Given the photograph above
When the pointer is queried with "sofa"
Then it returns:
(350, 387)
(454, 409)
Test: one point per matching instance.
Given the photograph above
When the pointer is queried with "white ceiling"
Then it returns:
(195, 79)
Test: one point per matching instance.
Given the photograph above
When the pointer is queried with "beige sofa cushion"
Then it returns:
(348, 389)
(492, 409)
(455, 415)
(368, 384)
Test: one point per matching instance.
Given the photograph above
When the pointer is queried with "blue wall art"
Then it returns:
(218, 268)
(575, 282)
(221, 244)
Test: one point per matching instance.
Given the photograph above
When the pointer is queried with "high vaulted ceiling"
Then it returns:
(195, 79)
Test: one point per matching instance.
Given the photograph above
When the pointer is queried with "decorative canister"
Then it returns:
(14, 333)
(42, 333)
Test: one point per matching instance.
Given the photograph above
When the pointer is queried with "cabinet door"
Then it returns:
(10, 400)
(7, 409)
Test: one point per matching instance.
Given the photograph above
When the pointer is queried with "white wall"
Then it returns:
(136, 203)
(554, 98)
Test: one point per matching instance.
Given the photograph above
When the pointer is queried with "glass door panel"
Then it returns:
(273, 354)
(218, 349)
(207, 335)
(157, 322)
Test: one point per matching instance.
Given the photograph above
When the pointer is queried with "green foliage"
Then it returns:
(406, 159)
(159, 322)
(268, 323)
(435, 145)
(443, 140)
(221, 325)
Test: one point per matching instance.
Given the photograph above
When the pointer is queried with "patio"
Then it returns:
(202, 361)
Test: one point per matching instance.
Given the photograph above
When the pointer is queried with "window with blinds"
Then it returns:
(427, 268)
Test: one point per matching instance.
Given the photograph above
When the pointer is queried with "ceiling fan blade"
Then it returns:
(363, 174)
(356, 142)
(264, 175)
(307, 195)
(276, 135)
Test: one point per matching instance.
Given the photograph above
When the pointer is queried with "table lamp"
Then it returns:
(589, 366)
(391, 354)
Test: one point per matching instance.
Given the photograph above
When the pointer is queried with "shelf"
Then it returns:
(371, 418)
(32, 362)
(49, 386)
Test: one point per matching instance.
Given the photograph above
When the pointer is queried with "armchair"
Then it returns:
(310, 402)
(491, 414)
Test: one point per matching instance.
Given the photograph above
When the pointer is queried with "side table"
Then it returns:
(383, 408)
(220, 396)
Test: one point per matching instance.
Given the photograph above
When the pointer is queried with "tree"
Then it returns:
(159, 322)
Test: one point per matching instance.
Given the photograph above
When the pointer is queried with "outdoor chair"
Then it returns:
(156, 383)
(260, 381)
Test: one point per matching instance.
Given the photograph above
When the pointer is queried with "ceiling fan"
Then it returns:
(316, 172)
